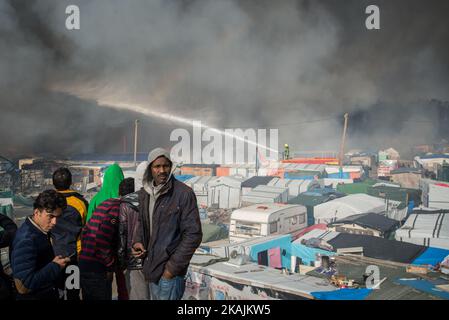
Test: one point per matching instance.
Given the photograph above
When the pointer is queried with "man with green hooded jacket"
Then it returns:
(111, 181)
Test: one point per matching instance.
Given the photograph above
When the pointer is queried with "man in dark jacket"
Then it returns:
(171, 228)
(66, 234)
(129, 229)
(34, 265)
(6, 238)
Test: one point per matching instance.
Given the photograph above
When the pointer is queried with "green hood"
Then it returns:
(112, 178)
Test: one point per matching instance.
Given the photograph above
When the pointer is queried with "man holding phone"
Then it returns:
(34, 265)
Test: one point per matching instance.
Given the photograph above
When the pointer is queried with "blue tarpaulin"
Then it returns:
(298, 177)
(183, 177)
(425, 286)
(308, 254)
(431, 256)
(342, 294)
(340, 175)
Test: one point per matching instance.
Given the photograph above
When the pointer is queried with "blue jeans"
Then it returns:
(168, 289)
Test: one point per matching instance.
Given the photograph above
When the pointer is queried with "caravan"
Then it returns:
(261, 220)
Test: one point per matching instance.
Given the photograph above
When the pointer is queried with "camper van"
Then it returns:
(264, 219)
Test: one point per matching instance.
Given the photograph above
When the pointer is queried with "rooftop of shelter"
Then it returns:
(369, 220)
(255, 181)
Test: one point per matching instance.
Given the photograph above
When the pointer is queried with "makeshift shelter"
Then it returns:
(372, 247)
(435, 194)
(295, 187)
(307, 255)
(253, 182)
(406, 177)
(345, 172)
(199, 184)
(213, 232)
(272, 250)
(254, 197)
(283, 192)
(313, 198)
(199, 169)
(371, 224)
(426, 227)
(407, 196)
(346, 206)
(225, 192)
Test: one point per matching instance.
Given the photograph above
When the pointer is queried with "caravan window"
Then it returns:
(273, 227)
(299, 219)
(250, 228)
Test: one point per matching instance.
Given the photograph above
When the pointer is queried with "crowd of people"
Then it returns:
(143, 231)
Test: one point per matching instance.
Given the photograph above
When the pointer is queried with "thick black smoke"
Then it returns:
(259, 63)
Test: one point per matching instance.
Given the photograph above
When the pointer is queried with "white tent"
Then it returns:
(225, 192)
(435, 194)
(283, 192)
(346, 206)
(428, 229)
(295, 187)
(260, 197)
(199, 184)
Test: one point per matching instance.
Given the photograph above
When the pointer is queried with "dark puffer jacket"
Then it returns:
(34, 272)
(176, 230)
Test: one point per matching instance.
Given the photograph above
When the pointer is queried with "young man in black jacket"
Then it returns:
(171, 228)
(34, 265)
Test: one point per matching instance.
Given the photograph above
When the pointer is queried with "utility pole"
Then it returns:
(257, 160)
(343, 139)
(136, 123)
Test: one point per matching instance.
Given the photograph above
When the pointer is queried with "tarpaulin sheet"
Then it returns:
(342, 294)
(307, 254)
(425, 286)
(431, 256)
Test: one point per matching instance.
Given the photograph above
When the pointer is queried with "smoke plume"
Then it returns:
(293, 65)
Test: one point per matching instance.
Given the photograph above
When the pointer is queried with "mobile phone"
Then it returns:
(70, 256)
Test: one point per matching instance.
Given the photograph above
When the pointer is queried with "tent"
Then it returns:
(225, 192)
(283, 192)
(295, 187)
(428, 228)
(346, 206)
(199, 184)
(260, 197)
(213, 232)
